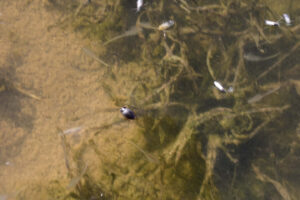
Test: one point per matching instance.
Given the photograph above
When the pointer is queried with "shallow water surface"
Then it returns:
(67, 67)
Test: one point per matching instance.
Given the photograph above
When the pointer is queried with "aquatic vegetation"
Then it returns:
(186, 128)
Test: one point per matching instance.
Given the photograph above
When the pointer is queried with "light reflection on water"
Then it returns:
(189, 141)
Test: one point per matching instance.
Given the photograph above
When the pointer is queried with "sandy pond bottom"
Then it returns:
(45, 62)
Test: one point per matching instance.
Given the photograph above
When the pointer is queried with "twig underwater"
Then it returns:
(90, 53)
(134, 30)
(99, 129)
(26, 93)
(7, 84)
(149, 157)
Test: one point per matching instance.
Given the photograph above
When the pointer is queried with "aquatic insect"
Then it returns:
(126, 112)
(139, 5)
(271, 23)
(287, 19)
(219, 86)
(166, 25)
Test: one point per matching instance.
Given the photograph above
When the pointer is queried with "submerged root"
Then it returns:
(169, 76)
(175, 151)
(214, 143)
(278, 186)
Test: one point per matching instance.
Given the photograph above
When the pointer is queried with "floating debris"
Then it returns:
(126, 112)
(139, 5)
(166, 25)
(219, 86)
(271, 23)
(287, 19)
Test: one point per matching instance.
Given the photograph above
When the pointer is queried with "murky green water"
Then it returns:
(190, 139)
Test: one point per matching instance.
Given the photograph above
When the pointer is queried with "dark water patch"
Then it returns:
(10, 109)
(225, 175)
(16, 123)
(12, 96)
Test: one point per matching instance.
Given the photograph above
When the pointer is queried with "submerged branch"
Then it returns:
(149, 157)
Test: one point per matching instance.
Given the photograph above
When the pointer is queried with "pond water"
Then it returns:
(215, 91)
